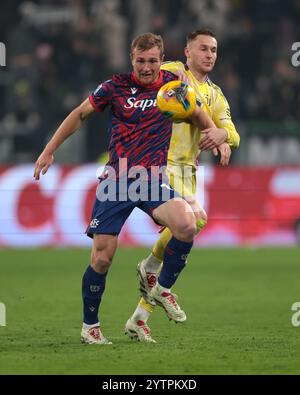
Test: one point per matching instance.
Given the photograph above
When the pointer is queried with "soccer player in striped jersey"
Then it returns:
(138, 148)
(201, 55)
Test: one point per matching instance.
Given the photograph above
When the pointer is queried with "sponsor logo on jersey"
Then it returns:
(132, 102)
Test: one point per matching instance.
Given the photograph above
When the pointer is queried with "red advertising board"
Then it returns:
(245, 206)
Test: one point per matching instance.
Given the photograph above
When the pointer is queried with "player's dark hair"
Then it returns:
(147, 41)
(200, 32)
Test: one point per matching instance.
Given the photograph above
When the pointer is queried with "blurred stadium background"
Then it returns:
(59, 51)
(238, 300)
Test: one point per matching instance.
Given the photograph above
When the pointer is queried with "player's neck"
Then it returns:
(201, 77)
(155, 83)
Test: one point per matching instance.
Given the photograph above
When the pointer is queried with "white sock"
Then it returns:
(152, 264)
(140, 314)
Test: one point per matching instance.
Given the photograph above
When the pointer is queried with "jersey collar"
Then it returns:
(186, 67)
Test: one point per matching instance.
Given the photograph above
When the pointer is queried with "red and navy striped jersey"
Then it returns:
(138, 131)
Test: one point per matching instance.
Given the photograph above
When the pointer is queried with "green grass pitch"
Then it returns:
(238, 303)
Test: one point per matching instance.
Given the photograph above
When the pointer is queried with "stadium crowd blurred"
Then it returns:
(58, 51)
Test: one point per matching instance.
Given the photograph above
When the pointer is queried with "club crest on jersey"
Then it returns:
(132, 102)
(94, 223)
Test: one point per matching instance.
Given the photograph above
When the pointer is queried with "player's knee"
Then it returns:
(186, 230)
(101, 260)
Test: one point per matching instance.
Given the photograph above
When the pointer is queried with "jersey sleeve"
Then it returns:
(222, 119)
(102, 96)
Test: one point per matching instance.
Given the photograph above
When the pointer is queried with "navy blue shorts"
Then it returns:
(116, 199)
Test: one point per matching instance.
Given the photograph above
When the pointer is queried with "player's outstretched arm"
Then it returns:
(201, 119)
(70, 124)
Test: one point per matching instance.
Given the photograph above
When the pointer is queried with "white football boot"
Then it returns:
(92, 335)
(138, 330)
(147, 281)
(167, 300)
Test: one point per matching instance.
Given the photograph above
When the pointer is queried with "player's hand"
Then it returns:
(182, 76)
(42, 164)
(212, 138)
(225, 152)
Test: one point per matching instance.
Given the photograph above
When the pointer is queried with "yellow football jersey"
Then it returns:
(185, 137)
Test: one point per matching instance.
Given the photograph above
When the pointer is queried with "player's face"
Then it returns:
(146, 65)
(201, 53)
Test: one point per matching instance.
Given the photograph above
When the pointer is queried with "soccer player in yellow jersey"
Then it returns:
(201, 55)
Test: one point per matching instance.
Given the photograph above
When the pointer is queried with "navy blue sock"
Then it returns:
(93, 285)
(174, 261)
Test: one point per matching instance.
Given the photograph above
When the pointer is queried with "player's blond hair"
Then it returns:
(147, 41)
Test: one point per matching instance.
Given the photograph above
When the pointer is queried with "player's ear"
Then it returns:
(186, 52)
(131, 58)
